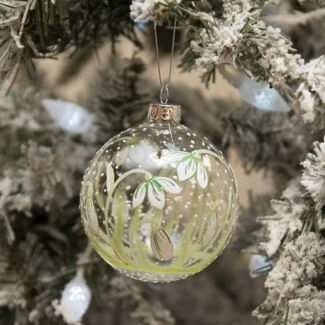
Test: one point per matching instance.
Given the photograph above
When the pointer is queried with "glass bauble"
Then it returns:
(158, 202)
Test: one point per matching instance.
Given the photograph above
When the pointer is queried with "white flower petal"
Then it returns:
(168, 185)
(175, 156)
(186, 169)
(201, 175)
(138, 195)
(156, 195)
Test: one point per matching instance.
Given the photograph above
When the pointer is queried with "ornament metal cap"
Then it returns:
(164, 112)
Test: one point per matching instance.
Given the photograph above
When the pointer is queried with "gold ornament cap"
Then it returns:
(164, 112)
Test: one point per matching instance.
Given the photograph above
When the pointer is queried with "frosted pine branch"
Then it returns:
(291, 295)
(285, 222)
(308, 307)
(313, 178)
(241, 38)
(289, 282)
(150, 10)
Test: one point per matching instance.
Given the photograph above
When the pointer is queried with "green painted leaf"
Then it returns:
(90, 210)
(209, 229)
(109, 178)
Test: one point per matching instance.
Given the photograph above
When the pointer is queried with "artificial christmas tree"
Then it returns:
(49, 273)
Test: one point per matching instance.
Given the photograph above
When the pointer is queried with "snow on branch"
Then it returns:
(294, 239)
(241, 38)
(150, 10)
(313, 178)
(289, 284)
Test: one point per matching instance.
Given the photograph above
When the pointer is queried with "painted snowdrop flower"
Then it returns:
(188, 165)
(155, 187)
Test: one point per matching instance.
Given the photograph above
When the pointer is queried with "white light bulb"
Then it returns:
(261, 95)
(259, 264)
(71, 117)
(75, 300)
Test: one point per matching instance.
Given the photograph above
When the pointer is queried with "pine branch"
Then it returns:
(44, 28)
(240, 38)
(295, 238)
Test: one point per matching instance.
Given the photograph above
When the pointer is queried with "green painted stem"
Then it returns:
(211, 153)
(223, 223)
(188, 232)
(130, 172)
(99, 198)
(115, 185)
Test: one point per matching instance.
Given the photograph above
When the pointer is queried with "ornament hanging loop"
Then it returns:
(164, 93)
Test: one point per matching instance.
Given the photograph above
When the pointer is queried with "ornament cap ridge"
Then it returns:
(164, 112)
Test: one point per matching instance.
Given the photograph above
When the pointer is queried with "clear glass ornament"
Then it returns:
(158, 202)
